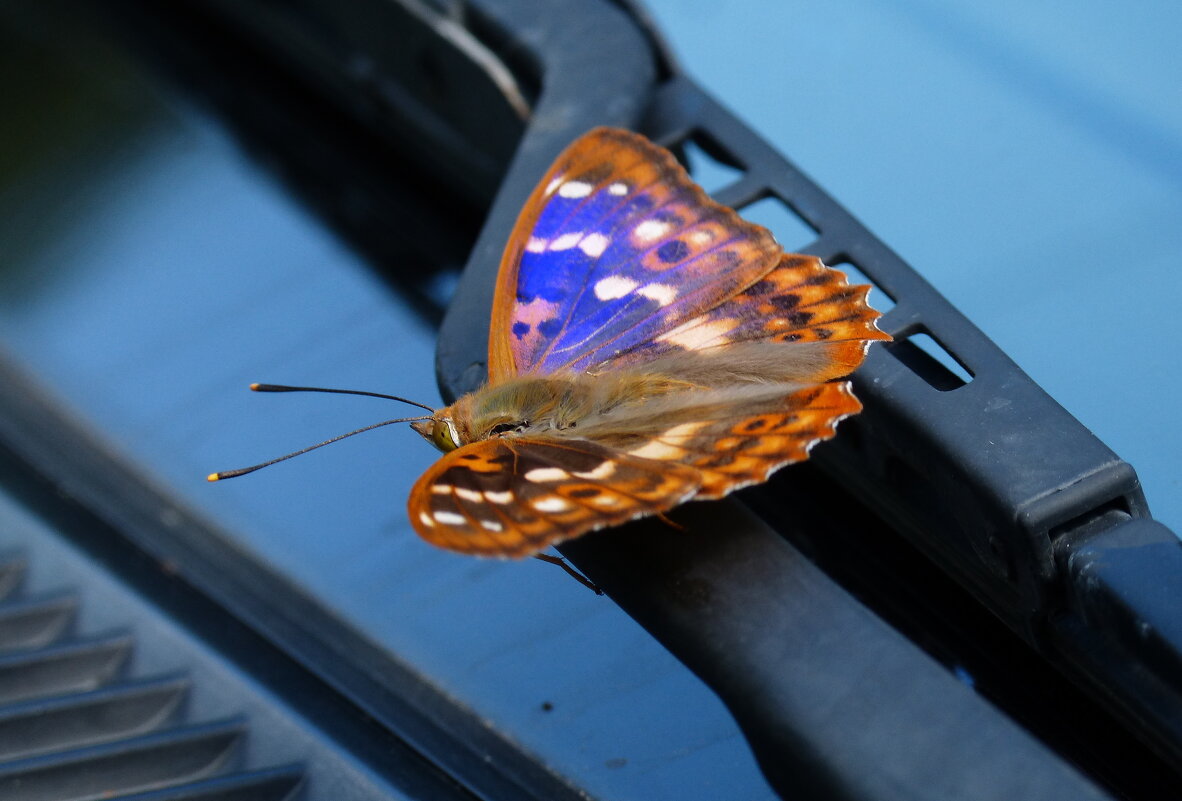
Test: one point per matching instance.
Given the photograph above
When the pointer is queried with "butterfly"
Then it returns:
(647, 347)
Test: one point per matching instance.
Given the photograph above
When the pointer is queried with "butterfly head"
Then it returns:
(441, 431)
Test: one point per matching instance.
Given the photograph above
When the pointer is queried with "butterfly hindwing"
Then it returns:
(732, 436)
(514, 496)
(748, 445)
(614, 248)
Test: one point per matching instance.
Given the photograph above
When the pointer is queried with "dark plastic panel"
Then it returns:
(1121, 628)
(836, 703)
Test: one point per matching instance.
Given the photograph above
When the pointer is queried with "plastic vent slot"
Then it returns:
(74, 725)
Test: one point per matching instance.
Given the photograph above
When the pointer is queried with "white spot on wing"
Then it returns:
(618, 189)
(449, 519)
(492, 525)
(658, 450)
(546, 474)
(661, 293)
(605, 500)
(536, 245)
(555, 182)
(551, 503)
(566, 241)
(693, 334)
(614, 287)
(594, 245)
(441, 489)
(649, 230)
(499, 497)
(574, 189)
(426, 520)
(684, 431)
(600, 472)
(469, 495)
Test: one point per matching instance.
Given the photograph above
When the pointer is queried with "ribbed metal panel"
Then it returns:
(59, 668)
(111, 713)
(74, 725)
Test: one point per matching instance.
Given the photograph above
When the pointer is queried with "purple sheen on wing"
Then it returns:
(624, 248)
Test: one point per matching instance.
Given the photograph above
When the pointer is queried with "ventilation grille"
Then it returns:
(74, 725)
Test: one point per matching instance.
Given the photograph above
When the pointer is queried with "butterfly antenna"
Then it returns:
(243, 471)
(285, 388)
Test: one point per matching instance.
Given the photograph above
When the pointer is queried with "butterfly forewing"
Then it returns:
(800, 301)
(615, 247)
(514, 496)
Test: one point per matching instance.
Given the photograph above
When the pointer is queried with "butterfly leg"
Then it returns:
(670, 522)
(576, 575)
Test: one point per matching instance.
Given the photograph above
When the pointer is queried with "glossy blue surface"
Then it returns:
(1026, 158)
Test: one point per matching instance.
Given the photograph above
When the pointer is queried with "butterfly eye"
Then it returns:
(444, 435)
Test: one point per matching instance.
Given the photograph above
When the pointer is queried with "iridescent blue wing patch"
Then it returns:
(615, 247)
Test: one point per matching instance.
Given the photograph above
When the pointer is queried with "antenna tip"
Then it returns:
(255, 387)
(213, 477)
